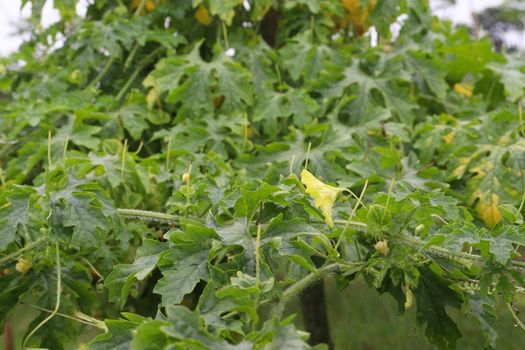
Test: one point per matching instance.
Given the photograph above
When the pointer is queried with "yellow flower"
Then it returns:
(324, 195)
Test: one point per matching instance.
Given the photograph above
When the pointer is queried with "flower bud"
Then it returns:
(23, 265)
(382, 247)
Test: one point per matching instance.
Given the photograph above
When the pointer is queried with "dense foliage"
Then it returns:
(174, 172)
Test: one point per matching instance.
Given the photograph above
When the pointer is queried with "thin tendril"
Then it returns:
(354, 210)
(57, 304)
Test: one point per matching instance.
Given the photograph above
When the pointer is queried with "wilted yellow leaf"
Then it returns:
(487, 209)
(324, 195)
(203, 16)
(463, 89)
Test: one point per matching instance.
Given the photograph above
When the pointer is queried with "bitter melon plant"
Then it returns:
(174, 173)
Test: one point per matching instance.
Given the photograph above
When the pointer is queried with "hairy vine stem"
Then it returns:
(441, 252)
(298, 286)
(27, 247)
(147, 215)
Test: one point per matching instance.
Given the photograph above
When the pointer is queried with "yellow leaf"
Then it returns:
(324, 195)
(357, 15)
(203, 16)
(152, 97)
(463, 89)
(487, 209)
(148, 6)
(448, 138)
(460, 170)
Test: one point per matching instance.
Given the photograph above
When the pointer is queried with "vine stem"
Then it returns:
(298, 286)
(49, 149)
(147, 60)
(103, 72)
(168, 153)
(225, 34)
(515, 317)
(57, 304)
(458, 256)
(307, 155)
(147, 215)
(520, 116)
(99, 275)
(131, 55)
(245, 131)
(28, 246)
(97, 325)
(258, 256)
(389, 195)
(2, 179)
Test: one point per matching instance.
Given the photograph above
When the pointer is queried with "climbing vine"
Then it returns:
(174, 174)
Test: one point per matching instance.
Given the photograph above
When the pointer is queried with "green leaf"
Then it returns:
(502, 243)
(14, 212)
(313, 5)
(189, 270)
(483, 309)
(433, 295)
(512, 75)
(186, 262)
(133, 118)
(430, 70)
(84, 213)
(119, 281)
(149, 335)
(212, 308)
(190, 80)
(224, 9)
(119, 336)
(12, 287)
(313, 55)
